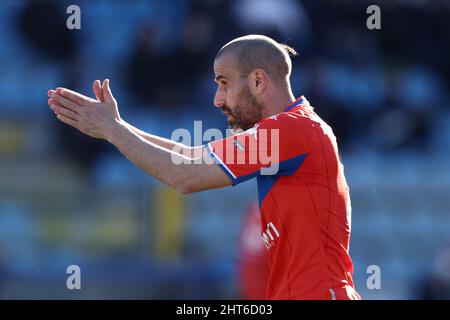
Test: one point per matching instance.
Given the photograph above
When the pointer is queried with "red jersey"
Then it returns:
(303, 198)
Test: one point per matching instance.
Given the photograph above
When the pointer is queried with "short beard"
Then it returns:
(248, 110)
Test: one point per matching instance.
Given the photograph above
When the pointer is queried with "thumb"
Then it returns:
(98, 90)
(107, 94)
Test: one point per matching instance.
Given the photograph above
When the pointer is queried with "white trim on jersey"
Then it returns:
(333, 294)
(216, 157)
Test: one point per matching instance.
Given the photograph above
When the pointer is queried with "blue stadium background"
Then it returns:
(67, 199)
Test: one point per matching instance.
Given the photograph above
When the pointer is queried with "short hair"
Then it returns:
(259, 51)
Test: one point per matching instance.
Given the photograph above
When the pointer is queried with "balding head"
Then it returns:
(252, 74)
(257, 51)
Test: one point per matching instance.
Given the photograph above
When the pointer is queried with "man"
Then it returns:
(303, 195)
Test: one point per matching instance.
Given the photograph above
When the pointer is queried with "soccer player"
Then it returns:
(303, 195)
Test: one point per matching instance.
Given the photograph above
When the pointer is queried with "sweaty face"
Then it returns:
(233, 96)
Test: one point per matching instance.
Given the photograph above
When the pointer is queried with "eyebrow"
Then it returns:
(220, 77)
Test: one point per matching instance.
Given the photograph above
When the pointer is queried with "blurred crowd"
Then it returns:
(383, 91)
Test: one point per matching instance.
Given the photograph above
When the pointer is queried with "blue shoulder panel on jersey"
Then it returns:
(286, 168)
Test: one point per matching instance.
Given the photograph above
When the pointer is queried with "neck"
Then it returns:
(277, 102)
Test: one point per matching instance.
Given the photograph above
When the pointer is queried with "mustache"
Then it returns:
(226, 109)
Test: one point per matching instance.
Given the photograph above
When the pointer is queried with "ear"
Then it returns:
(259, 80)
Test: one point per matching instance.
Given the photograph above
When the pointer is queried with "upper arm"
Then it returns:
(275, 146)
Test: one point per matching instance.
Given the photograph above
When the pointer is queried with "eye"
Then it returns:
(222, 84)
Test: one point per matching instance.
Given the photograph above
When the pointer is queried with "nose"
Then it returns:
(219, 99)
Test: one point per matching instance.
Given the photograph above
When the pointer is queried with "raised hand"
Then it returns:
(94, 117)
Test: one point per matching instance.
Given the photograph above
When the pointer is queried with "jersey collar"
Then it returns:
(301, 100)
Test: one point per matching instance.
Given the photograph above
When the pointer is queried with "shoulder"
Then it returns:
(287, 121)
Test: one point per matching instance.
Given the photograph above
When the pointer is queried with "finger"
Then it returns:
(76, 97)
(53, 103)
(67, 120)
(55, 107)
(65, 112)
(107, 94)
(98, 90)
(66, 102)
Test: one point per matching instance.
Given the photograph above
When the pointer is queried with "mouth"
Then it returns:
(228, 114)
(230, 117)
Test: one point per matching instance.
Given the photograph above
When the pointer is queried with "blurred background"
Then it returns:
(66, 199)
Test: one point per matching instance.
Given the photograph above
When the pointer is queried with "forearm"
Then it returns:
(169, 167)
(168, 161)
(168, 144)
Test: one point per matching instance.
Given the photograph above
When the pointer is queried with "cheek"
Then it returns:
(234, 96)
